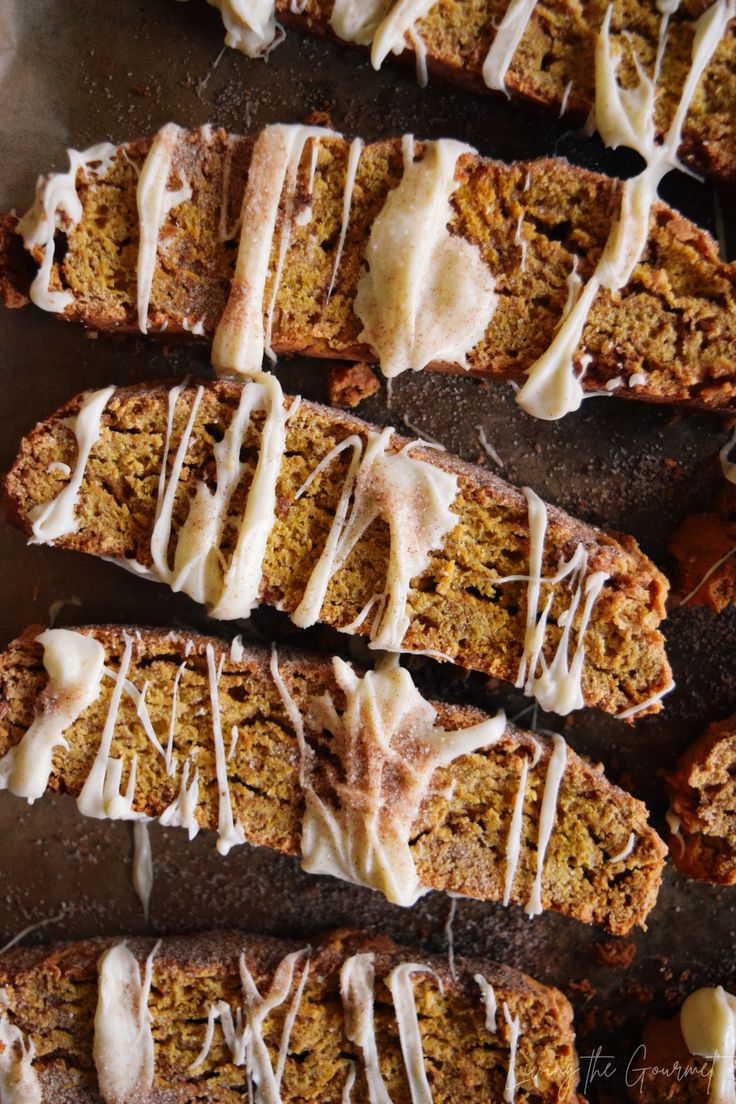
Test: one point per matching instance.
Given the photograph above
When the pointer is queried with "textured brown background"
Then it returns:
(73, 72)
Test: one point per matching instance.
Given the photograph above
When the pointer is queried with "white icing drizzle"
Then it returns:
(234, 1031)
(250, 25)
(633, 710)
(513, 843)
(675, 826)
(390, 35)
(243, 336)
(626, 850)
(182, 813)
(123, 1040)
(357, 993)
(198, 569)
(547, 816)
(142, 864)
(427, 295)
(558, 686)
(506, 41)
(514, 1025)
(257, 1009)
(708, 1024)
(347, 1089)
(356, 149)
(413, 497)
(56, 518)
(389, 748)
(488, 996)
(74, 663)
(100, 795)
(405, 1009)
(229, 833)
(19, 1082)
(155, 201)
(358, 20)
(58, 207)
(622, 117)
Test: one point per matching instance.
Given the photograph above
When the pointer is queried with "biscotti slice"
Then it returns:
(702, 816)
(703, 548)
(235, 496)
(227, 1016)
(563, 58)
(690, 1058)
(411, 254)
(356, 772)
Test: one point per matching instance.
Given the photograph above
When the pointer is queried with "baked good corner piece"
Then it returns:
(689, 1058)
(356, 772)
(297, 240)
(702, 815)
(214, 1017)
(550, 57)
(236, 496)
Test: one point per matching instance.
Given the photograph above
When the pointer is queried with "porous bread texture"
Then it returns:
(454, 607)
(554, 63)
(674, 324)
(51, 995)
(702, 791)
(460, 835)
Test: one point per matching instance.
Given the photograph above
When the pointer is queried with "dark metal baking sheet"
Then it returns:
(73, 72)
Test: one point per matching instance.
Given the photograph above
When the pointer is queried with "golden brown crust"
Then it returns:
(462, 1059)
(460, 833)
(702, 791)
(454, 607)
(554, 62)
(674, 324)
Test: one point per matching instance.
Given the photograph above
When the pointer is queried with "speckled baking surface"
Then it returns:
(73, 72)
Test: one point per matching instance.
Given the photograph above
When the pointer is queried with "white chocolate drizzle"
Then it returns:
(708, 1024)
(58, 207)
(198, 570)
(55, 519)
(513, 1024)
(508, 36)
(250, 25)
(243, 334)
(405, 1009)
(488, 997)
(142, 873)
(356, 149)
(391, 34)
(100, 796)
(626, 850)
(155, 200)
(358, 20)
(123, 1040)
(413, 497)
(74, 663)
(389, 747)
(257, 1009)
(622, 117)
(229, 832)
(427, 295)
(19, 1083)
(547, 816)
(357, 981)
(556, 685)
